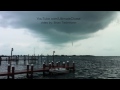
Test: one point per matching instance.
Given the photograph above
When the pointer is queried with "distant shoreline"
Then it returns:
(48, 55)
(60, 55)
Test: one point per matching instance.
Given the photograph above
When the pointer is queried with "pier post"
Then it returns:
(24, 59)
(43, 65)
(31, 71)
(43, 69)
(8, 76)
(58, 63)
(28, 58)
(47, 59)
(13, 69)
(53, 55)
(32, 58)
(68, 65)
(44, 62)
(41, 58)
(49, 65)
(52, 64)
(38, 56)
(16, 60)
(28, 71)
(73, 66)
(6, 59)
(0, 60)
(38, 59)
(18, 57)
(63, 64)
(35, 58)
(9, 59)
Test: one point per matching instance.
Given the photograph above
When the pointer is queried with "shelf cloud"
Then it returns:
(58, 27)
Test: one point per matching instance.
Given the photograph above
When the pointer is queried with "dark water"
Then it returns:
(98, 67)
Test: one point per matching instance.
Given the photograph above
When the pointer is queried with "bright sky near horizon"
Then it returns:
(65, 32)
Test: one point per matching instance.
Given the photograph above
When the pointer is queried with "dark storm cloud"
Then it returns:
(90, 22)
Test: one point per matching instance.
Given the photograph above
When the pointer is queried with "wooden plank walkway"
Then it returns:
(25, 71)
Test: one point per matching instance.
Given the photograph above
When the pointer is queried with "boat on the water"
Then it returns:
(59, 70)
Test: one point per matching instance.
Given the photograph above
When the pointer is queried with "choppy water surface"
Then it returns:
(98, 67)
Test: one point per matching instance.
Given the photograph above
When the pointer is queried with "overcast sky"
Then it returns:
(65, 32)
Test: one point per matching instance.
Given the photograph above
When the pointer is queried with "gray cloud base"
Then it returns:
(90, 22)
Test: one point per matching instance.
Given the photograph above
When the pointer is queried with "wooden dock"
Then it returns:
(11, 72)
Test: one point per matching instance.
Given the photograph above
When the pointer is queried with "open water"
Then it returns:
(87, 67)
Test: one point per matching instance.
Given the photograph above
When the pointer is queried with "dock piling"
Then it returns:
(57, 64)
(44, 62)
(63, 64)
(28, 71)
(13, 69)
(73, 66)
(18, 57)
(43, 69)
(68, 65)
(52, 64)
(41, 58)
(31, 71)
(38, 59)
(0, 60)
(38, 56)
(49, 65)
(16, 60)
(8, 60)
(8, 76)
(28, 58)
(24, 59)
(47, 59)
